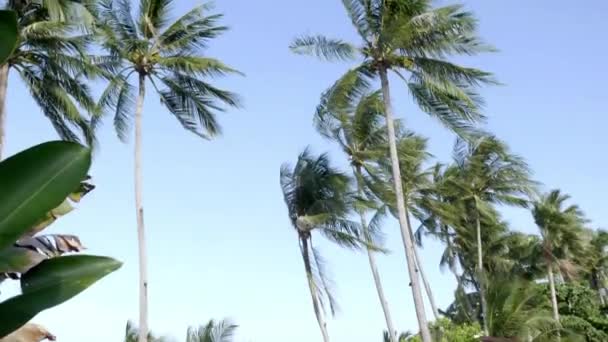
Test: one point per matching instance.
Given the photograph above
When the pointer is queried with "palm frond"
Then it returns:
(323, 47)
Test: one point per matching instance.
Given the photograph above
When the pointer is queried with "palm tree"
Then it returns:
(132, 334)
(50, 58)
(222, 331)
(597, 263)
(355, 123)
(561, 229)
(319, 198)
(488, 174)
(163, 54)
(414, 38)
(517, 313)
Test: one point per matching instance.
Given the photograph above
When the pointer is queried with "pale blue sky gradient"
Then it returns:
(220, 243)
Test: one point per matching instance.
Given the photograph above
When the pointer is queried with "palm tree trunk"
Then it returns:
(480, 279)
(392, 333)
(553, 295)
(3, 87)
(405, 229)
(141, 236)
(311, 286)
(420, 268)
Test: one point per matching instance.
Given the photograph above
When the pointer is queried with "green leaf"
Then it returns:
(51, 283)
(8, 34)
(37, 181)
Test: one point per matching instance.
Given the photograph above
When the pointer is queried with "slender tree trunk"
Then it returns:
(405, 229)
(311, 286)
(376, 275)
(420, 268)
(553, 295)
(3, 87)
(139, 208)
(480, 276)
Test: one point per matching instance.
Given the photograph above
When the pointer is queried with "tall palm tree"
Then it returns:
(50, 58)
(355, 122)
(597, 263)
(319, 198)
(165, 54)
(561, 229)
(488, 174)
(412, 39)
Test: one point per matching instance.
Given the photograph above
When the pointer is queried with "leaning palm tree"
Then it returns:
(412, 39)
(561, 229)
(50, 59)
(169, 57)
(488, 174)
(319, 198)
(355, 122)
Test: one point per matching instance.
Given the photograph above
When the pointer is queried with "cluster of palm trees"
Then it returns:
(391, 171)
(65, 44)
(55, 60)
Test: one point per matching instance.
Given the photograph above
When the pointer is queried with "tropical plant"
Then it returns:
(51, 59)
(34, 183)
(517, 312)
(162, 53)
(213, 331)
(561, 229)
(487, 173)
(355, 122)
(414, 38)
(319, 198)
(220, 331)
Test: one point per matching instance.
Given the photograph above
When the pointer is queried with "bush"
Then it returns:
(584, 328)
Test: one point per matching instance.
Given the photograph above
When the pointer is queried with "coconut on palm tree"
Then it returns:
(561, 229)
(169, 56)
(411, 39)
(51, 59)
(319, 199)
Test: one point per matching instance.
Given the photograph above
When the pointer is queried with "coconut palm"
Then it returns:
(50, 59)
(561, 229)
(169, 57)
(488, 174)
(596, 265)
(319, 198)
(355, 122)
(412, 39)
(222, 331)
(517, 313)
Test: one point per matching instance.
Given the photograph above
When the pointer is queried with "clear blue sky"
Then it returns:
(220, 243)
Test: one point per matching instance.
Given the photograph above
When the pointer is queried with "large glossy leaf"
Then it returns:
(37, 181)
(51, 283)
(8, 34)
(64, 208)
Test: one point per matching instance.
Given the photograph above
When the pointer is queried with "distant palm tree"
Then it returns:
(414, 38)
(561, 229)
(488, 173)
(221, 331)
(319, 198)
(167, 54)
(132, 334)
(355, 122)
(516, 312)
(50, 58)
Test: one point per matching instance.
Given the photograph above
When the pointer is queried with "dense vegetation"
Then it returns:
(511, 286)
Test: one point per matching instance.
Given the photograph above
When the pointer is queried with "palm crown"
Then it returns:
(411, 38)
(168, 55)
(50, 58)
